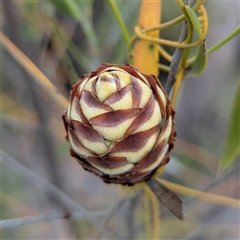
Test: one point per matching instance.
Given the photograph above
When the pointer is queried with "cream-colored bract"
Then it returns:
(78, 149)
(166, 131)
(154, 120)
(126, 102)
(87, 84)
(90, 112)
(98, 148)
(163, 97)
(74, 115)
(125, 78)
(144, 79)
(105, 88)
(113, 171)
(158, 161)
(116, 132)
(136, 156)
(146, 94)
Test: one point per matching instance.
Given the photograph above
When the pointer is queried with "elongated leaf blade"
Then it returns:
(232, 145)
(196, 157)
(195, 22)
(167, 197)
(78, 11)
(199, 63)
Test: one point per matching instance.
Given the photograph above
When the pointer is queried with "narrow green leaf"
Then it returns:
(233, 34)
(194, 19)
(76, 53)
(79, 10)
(232, 145)
(61, 7)
(120, 21)
(198, 63)
(191, 163)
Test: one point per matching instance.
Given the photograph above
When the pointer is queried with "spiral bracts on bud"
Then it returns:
(120, 124)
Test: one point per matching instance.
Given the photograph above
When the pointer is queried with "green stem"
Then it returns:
(225, 40)
(187, 40)
(172, 22)
(163, 67)
(165, 25)
(120, 21)
(78, 13)
(180, 4)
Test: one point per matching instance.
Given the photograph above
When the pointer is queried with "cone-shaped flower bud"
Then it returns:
(120, 124)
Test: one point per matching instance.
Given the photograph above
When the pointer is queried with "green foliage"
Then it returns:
(203, 168)
(194, 20)
(81, 12)
(232, 145)
(198, 63)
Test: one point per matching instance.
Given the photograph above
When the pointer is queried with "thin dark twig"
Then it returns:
(79, 215)
(18, 222)
(131, 210)
(177, 55)
(114, 210)
(112, 213)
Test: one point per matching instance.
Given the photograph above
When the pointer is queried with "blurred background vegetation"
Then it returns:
(67, 39)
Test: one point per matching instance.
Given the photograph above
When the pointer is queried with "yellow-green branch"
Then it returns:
(223, 41)
(142, 36)
(214, 198)
(155, 210)
(32, 69)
